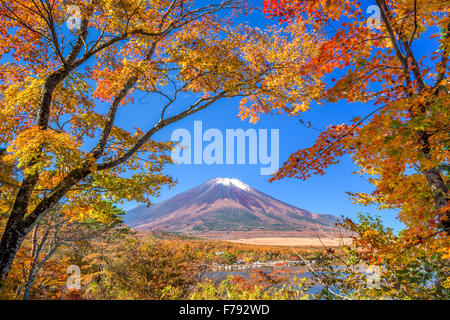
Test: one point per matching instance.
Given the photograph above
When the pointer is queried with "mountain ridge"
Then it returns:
(222, 206)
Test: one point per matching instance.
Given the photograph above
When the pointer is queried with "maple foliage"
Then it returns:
(362, 269)
(63, 91)
(40, 267)
(402, 143)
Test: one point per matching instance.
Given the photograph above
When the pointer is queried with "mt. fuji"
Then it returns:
(224, 206)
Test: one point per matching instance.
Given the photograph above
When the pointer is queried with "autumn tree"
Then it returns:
(382, 56)
(40, 266)
(139, 268)
(56, 231)
(69, 68)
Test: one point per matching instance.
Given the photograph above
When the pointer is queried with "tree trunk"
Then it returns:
(26, 294)
(12, 238)
(15, 230)
(440, 194)
(19, 225)
(435, 182)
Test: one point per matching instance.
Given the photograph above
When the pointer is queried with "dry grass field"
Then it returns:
(295, 242)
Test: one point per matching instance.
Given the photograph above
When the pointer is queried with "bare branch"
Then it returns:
(198, 106)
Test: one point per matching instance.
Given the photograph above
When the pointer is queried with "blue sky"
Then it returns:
(321, 194)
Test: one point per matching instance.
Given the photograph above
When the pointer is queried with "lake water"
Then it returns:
(289, 271)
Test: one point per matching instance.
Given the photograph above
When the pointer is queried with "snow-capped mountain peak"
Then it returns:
(231, 182)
